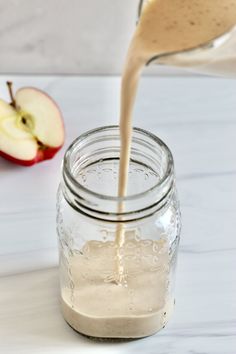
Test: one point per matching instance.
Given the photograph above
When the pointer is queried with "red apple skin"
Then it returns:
(42, 155)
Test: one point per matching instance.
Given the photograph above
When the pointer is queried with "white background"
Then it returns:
(66, 36)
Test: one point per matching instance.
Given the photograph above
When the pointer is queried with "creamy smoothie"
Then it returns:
(97, 306)
(120, 288)
(166, 26)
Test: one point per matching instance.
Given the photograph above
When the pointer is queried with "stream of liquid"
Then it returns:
(91, 302)
(166, 26)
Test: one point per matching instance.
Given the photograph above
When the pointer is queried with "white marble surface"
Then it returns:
(65, 37)
(196, 118)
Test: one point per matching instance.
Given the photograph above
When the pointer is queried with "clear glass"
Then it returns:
(216, 57)
(93, 303)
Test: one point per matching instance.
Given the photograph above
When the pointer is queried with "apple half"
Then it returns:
(31, 127)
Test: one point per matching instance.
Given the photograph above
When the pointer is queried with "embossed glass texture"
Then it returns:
(87, 222)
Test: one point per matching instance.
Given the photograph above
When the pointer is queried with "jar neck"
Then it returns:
(96, 154)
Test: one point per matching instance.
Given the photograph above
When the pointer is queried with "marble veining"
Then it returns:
(61, 37)
(79, 37)
(196, 118)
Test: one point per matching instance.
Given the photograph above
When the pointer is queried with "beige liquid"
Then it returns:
(97, 305)
(101, 308)
(166, 26)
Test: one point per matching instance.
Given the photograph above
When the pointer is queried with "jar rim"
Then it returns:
(162, 181)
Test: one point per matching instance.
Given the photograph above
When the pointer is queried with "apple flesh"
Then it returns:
(31, 127)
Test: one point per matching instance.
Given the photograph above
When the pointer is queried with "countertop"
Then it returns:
(195, 116)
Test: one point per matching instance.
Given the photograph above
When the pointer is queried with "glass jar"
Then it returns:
(94, 302)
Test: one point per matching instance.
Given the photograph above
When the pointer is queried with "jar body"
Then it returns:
(93, 301)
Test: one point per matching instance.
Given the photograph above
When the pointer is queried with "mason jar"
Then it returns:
(111, 289)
